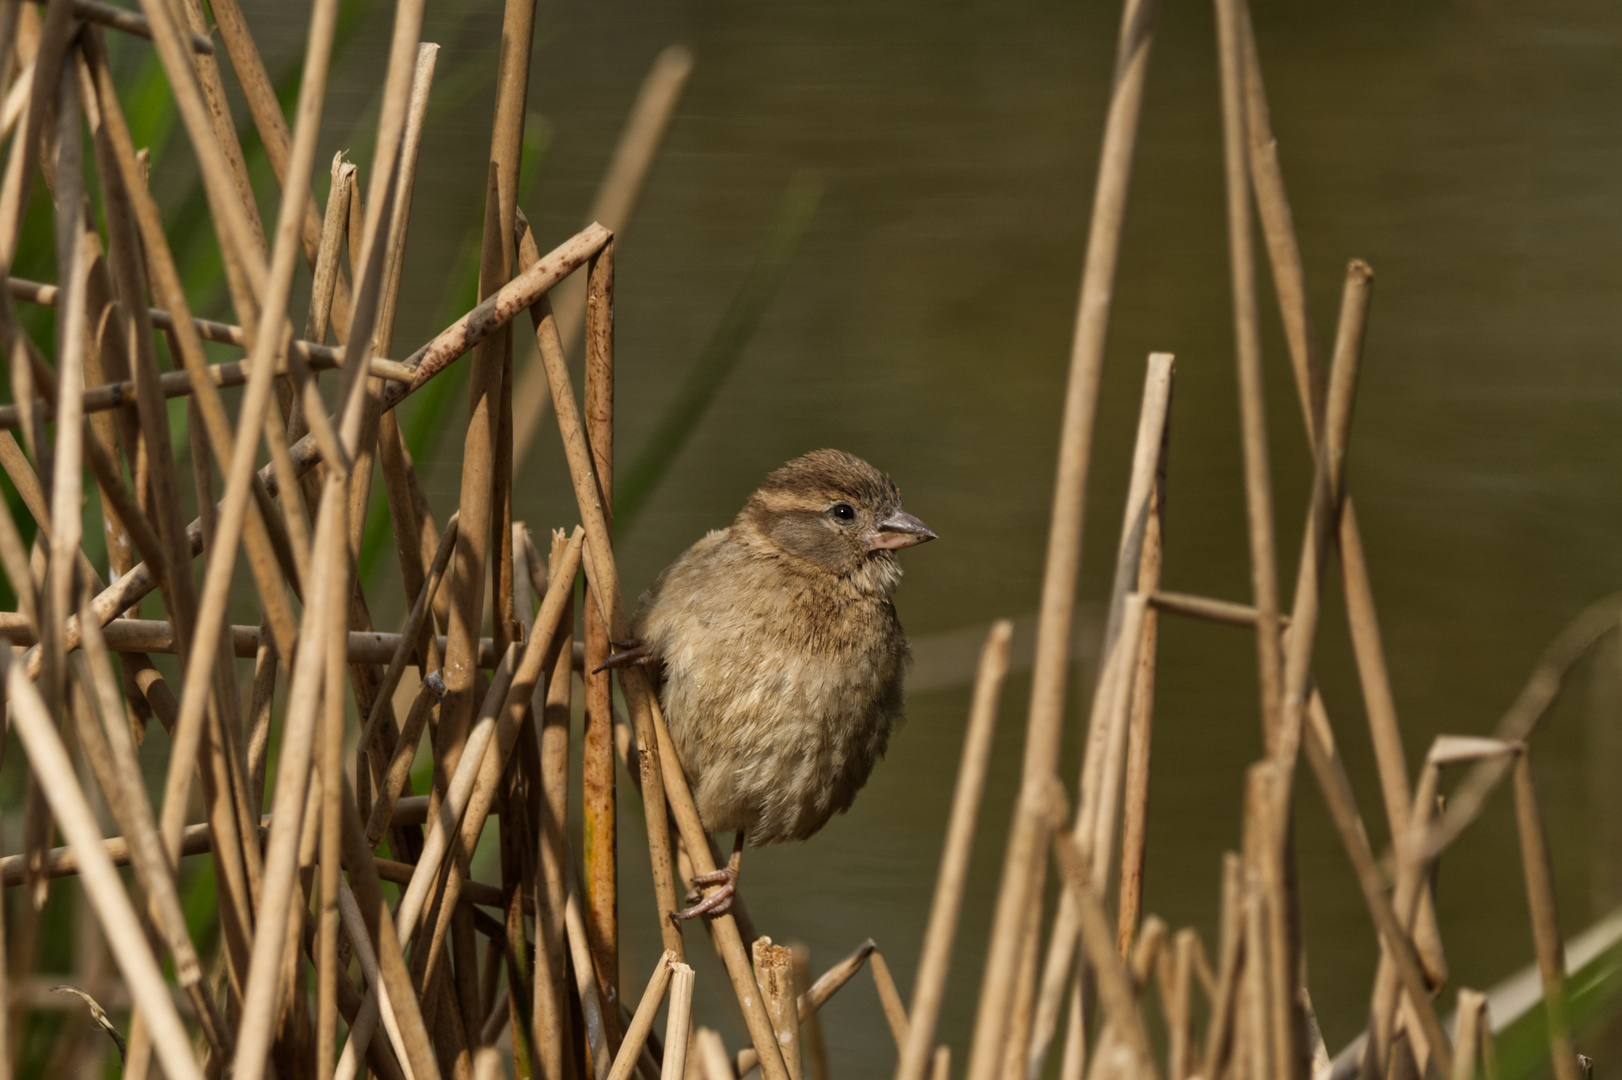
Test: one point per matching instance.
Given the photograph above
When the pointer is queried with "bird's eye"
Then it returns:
(843, 511)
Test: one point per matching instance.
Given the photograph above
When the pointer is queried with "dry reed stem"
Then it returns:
(1118, 672)
(503, 704)
(616, 196)
(1289, 280)
(367, 694)
(207, 122)
(307, 411)
(133, 811)
(330, 586)
(814, 998)
(49, 760)
(1271, 1031)
(355, 927)
(271, 126)
(1208, 608)
(1282, 947)
(514, 707)
(652, 747)
(485, 519)
(1257, 1023)
(1247, 347)
(466, 577)
(1140, 724)
(712, 1055)
(895, 1013)
(1342, 804)
(1021, 1012)
(128, 22)
(1146, 952)
(428, 361)
(929, 984)
(324, 825)
(422, 77)
(647, 1010)
(1219, 1029)
(678, 1021)
(599, 1054)
(728, 940)
(154, 636)
(255, 1033)
(1412, 869)
(397, 771)
(327, 273)
(1474, 1023)
(599, 843)
(813, 1048)
(1116, 993)
(1024, 864)
(774, 971)
(1520, 722)
(51, 46)
(195, 840)
(550, 705)
(1328, 488)
(186, 346)
(1093, 828)
(64, 476)
(394, 979)
(1540, 902)
(1177, 998)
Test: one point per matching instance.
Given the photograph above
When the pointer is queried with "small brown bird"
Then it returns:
(780, 653)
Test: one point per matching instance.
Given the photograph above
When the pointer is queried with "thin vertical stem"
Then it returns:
(1247, 340)
(599, 846)
(1024, 865)
(553, 1031)
(929, 985)
(1540, 900)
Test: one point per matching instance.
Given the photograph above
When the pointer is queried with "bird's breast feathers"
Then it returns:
(780, 689)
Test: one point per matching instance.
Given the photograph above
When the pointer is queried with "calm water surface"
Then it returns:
(1469, 151)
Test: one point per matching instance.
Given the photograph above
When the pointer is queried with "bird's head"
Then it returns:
(839, 513)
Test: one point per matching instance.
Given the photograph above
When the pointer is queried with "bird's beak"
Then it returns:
(899, 530)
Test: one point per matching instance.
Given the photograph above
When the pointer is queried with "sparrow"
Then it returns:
(779, 656)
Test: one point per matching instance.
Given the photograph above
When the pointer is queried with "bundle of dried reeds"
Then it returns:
(316, 972)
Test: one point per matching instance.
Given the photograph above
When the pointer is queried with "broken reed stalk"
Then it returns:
(647, 1009)
(1140, 729)
(678, 1020)
(1024, 867)
(774, 971)
(1103, 757)
(815, 997)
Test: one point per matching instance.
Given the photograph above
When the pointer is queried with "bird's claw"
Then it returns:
(718, 902)
(631, 651)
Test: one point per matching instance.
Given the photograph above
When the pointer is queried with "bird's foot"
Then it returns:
(718, 902)
(631, 651)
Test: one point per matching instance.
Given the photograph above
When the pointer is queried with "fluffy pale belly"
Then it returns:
(778, 754)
